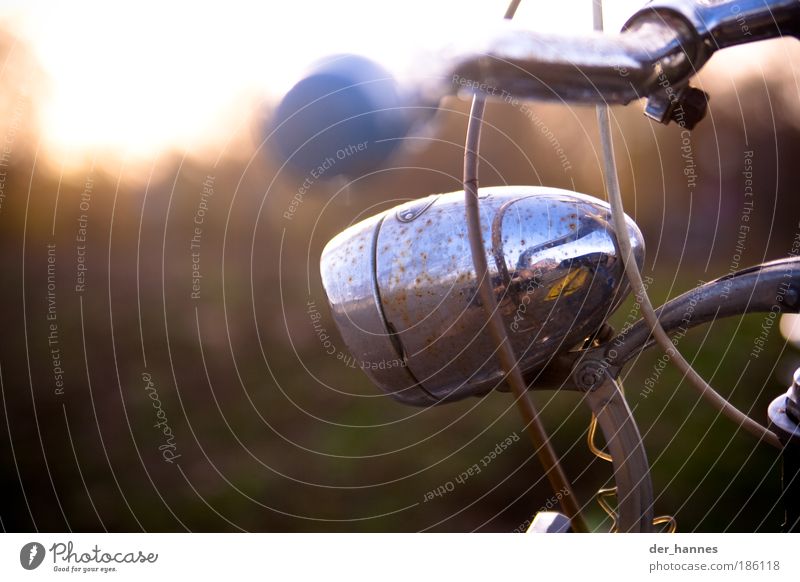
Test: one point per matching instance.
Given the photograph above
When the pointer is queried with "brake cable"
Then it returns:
(508, 361)
(612, 184)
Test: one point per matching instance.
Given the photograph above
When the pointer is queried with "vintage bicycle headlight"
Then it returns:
(403, 290)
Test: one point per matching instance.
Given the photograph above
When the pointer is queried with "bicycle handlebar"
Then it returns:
(655, 55)
(350, 100)
(588, 68)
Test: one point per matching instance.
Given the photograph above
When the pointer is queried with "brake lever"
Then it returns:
(714, 25)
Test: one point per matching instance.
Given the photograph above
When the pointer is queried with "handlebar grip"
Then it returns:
(343, 119)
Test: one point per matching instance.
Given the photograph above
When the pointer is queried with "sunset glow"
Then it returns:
(133, 79)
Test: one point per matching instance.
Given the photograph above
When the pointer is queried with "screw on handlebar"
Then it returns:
(686, 107)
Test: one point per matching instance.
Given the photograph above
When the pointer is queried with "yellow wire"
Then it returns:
(673, 525)
(596, 451)
(604, 496)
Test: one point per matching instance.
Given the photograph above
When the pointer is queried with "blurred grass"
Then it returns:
(264, 444)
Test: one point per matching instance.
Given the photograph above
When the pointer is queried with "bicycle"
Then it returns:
(570, 267)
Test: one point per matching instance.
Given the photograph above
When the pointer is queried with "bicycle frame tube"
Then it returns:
(773, 286)
(624, 444)
(591, 68)
(769, 286)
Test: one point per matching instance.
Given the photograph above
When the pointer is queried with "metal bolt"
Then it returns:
(694, 103)
(588, 376)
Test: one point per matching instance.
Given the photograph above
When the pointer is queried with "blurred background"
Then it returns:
(159, 369)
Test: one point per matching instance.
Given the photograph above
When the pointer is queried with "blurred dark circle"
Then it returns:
(346, 118)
